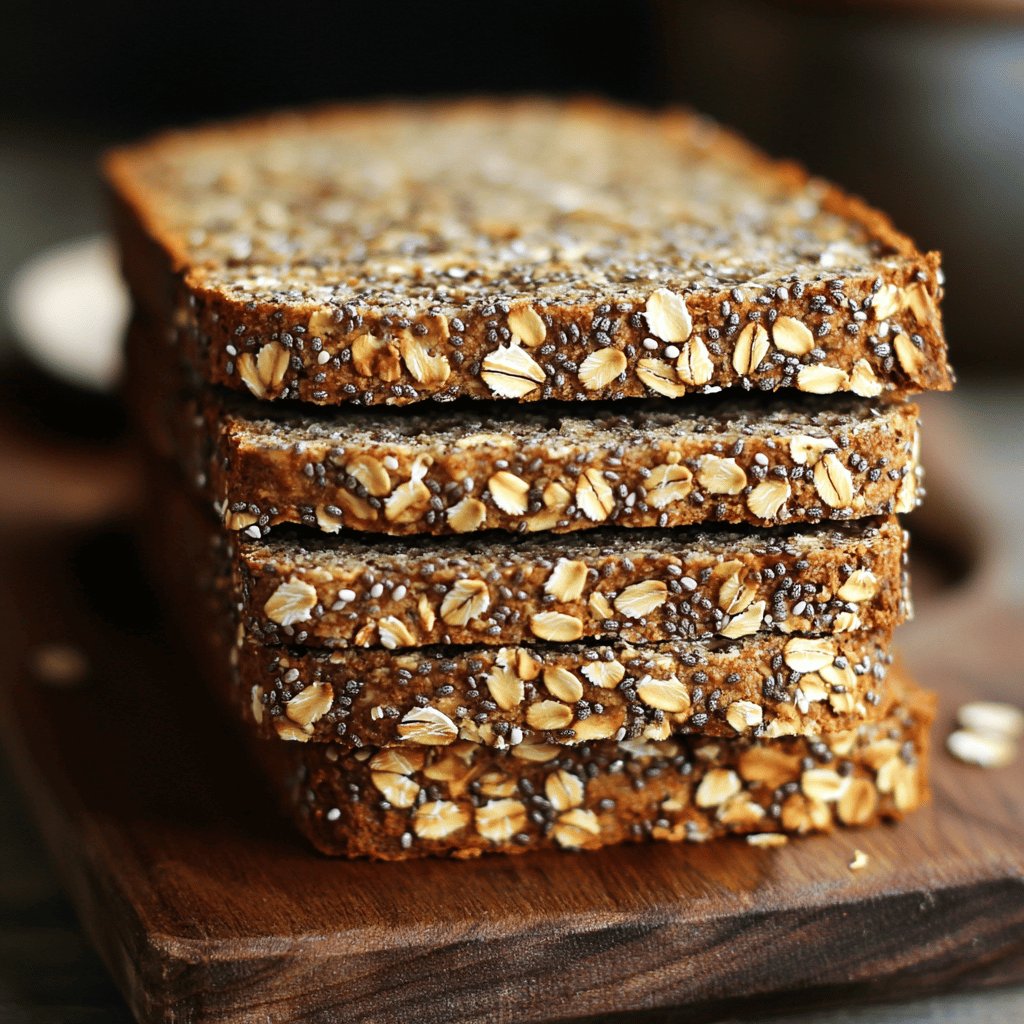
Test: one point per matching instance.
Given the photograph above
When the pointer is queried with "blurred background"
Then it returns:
(918, 106)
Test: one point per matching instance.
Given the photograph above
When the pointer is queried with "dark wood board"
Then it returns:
(207, 908)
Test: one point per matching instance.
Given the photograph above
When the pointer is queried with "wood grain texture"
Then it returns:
(207, 909)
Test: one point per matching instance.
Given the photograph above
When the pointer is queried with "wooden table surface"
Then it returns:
(48, 973)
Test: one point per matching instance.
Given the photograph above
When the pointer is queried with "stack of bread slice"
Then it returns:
(528, 474)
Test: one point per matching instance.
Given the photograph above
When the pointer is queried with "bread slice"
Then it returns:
(553, 467)
(765, 685)
(645, 586)
(465, 799)
(524, 250)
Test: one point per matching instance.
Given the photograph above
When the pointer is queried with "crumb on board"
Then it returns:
(767, 839)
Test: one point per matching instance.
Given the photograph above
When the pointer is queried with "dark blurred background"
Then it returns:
(917, 106)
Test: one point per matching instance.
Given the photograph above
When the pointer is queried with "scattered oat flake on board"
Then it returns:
(859, 861)
(986, 750)
(767, 839)
(994, 717)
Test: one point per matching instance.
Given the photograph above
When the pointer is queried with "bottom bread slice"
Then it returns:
(467, 799)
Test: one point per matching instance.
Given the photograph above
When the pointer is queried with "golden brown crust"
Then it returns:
(544, 469)
(466, 800)
(855, 308)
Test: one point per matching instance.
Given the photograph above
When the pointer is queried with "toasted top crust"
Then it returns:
(448, 232)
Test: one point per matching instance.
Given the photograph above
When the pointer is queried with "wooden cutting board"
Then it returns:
(207, 908)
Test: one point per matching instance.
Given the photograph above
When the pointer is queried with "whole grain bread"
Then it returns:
(549, 468)
(523, 250)
(564, 693)
(643, 586)
(465, 799)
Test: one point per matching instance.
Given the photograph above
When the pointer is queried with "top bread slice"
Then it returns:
(523, 250)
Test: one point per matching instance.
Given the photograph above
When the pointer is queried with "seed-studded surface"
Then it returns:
(642, 586)
(465, 799)
(769, 686)
(559, 472)
(528, 251)
(548, 468)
